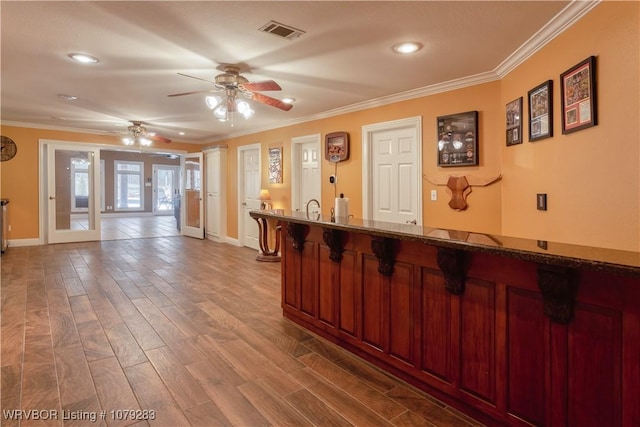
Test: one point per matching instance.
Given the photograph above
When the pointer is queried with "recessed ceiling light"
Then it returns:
(407, 47)
(67, 97)
(288, 100)
(83, 58)
(181, 133)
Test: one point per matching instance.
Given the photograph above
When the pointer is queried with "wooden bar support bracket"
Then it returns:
(266, 254)
(559, 291)
(452, 263)
(335, 240)
(383, 248)
(298, 232)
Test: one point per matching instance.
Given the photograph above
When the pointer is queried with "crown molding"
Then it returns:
(558, 24)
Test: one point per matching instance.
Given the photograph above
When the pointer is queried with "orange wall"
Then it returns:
(483, 214)
(19, 176)
(593, 190)
(592, 177)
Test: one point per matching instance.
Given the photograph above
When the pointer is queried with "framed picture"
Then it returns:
(275, 165)
(336, 146)
(578, 91)
(458, 139)
(514, 122)
(541, 111)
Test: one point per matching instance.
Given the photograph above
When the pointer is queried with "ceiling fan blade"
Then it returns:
(271, 101)
(159, 138)
(193, 92)
(197, 78)
(260, 86)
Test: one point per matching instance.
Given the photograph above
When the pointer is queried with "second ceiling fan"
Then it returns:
(233, 84)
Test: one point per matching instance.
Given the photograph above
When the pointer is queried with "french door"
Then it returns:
(192, 203)
(165, 189)
(73, 193)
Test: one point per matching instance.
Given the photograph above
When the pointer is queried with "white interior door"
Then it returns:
(73, 193)
(248, 194)
(306, 177)
(191, 198)
(393, 171)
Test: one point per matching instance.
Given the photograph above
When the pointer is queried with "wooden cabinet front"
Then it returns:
(496, 349)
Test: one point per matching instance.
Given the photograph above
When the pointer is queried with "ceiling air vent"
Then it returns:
(281, 30)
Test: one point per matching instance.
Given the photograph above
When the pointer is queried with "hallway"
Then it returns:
(185, 332)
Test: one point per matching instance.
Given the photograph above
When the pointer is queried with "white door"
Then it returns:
(248, 194)
(165, 188)
(73, 193)
(216, 172)
(306, 178)
(191, 197)
(393, 186)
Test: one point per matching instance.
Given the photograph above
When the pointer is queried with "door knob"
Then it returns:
(52, 197)
(414, 222)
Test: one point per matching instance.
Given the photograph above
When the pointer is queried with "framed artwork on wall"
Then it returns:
(275, 165)
(514, 122)
(541, 111)
(578, 91)
(336, 146)
(458, 139)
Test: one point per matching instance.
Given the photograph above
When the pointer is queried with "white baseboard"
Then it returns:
(24, 242)
(232, 241)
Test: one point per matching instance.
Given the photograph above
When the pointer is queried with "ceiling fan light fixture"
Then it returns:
(83, 58)
(220, 112)
(212, 101)
(145, 142)
(127, 141)
(407, 47)
(244, 108)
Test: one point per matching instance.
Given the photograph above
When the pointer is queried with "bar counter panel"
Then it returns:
(511, 336)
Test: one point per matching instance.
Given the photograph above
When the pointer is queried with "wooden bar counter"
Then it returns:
(512, 331)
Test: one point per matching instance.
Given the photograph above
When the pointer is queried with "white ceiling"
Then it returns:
(342, 63)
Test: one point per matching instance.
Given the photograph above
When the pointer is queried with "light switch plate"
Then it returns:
(434, 195)
(541, 201)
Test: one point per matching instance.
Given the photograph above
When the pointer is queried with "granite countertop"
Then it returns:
(552, 253)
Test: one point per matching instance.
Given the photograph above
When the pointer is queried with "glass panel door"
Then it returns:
(192, 204)
(73, 194)
(165, 189)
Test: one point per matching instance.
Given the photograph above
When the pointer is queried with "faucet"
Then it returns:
(317, 203)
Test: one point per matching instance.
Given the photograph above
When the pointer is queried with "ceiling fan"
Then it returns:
(139, 134)
(232, 83)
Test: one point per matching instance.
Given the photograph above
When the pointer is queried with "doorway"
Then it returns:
(249, 173)
(392, 171)
(79, 197)
(306, 176)
(166, 187)
(72, 193)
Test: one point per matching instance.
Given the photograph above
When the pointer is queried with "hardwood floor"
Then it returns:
(132, 227)
(176, 331)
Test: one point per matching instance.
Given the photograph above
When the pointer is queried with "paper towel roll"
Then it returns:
(341, 209)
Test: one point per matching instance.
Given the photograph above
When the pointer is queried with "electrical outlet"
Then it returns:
(434, 195)
(333, 179)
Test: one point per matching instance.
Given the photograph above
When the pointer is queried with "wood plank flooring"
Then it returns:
(176, 331)
(131, 227)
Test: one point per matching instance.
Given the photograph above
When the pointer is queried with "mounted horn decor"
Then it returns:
(460, 187)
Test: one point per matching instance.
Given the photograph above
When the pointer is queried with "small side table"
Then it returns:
(266, 254)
